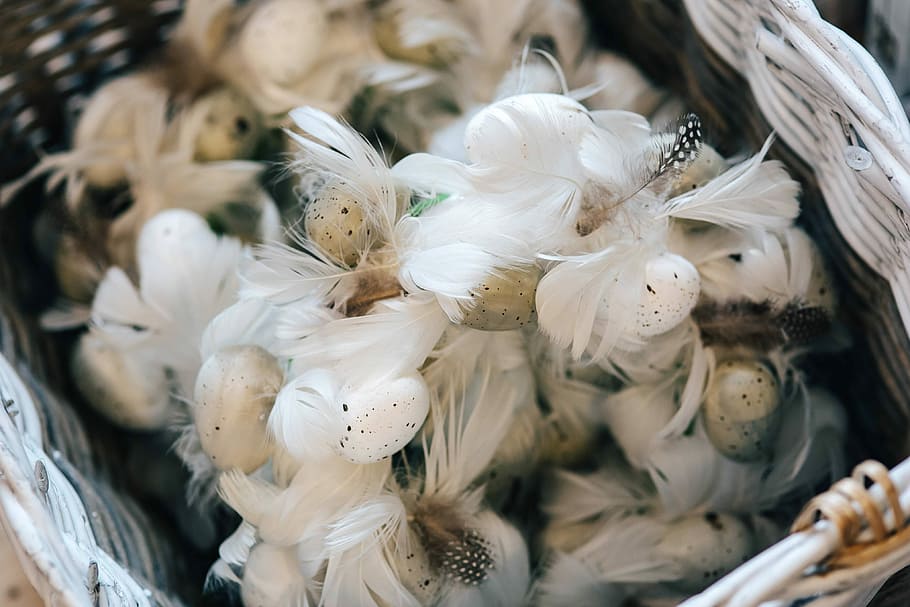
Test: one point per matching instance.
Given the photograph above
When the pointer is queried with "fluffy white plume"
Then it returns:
(754, 193)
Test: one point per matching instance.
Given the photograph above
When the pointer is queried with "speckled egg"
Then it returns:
(820, 292)
(741, 412)
(378, 420)
(270, 572)
(672, 285)
(706, 166)
(235, 391)
(705, 547)
(504, 300)
(282, 39)
(334, 221)
(231, 128)
(415, 572)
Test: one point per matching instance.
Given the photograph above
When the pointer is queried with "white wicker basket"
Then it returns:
(830, 102)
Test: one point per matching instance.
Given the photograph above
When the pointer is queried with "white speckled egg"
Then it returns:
(131, 395)
(741, 411)
(504, 300)
(706, 166)
(672, 285)
(415, 572)
(231, 128)
(270, 572)
(334, 221)
(235, 391)
(705, 547)
(281, 41)
(378, 420)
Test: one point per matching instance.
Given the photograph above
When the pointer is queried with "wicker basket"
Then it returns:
(745, 66)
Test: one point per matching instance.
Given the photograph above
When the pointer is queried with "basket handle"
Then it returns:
(849, 538)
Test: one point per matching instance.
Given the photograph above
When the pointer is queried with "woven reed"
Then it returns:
(54, 52)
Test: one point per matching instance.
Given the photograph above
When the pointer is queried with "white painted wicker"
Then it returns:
(831, 103)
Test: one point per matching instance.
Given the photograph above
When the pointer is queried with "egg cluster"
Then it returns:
(551, 354)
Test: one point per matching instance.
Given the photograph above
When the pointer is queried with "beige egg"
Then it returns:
(705, 547)
(230, 130)
(128, 393)
(335, 222)
(388, 36)
(235, 391)
(741, 412)
(504, 300)
(706, 166)
(282, 39)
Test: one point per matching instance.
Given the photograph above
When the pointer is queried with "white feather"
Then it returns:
(623, 550)
(301, 513)
(283, 274)
(570, 582)
(302, 419)
(610, 151)
(396, 338)
(340, 151)
(508, 581)
(589, 301)
(611, 491)
(751, 194)
(247, 322)
(636, 416)
(698, 379)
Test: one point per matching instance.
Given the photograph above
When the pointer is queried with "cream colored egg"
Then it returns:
(705, 547)
(282, 39)
(106, 128)
(707, 165)
(504, 300)
(741, 412)
(235, 391)
(378, 420)
(334, 220)
(388, 36)
(130, 394)
(230, 130)
(672, 286)
(269, 574)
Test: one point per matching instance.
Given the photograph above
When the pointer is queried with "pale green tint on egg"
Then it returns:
(741, 412)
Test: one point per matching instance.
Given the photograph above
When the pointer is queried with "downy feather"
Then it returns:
(589, 301)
